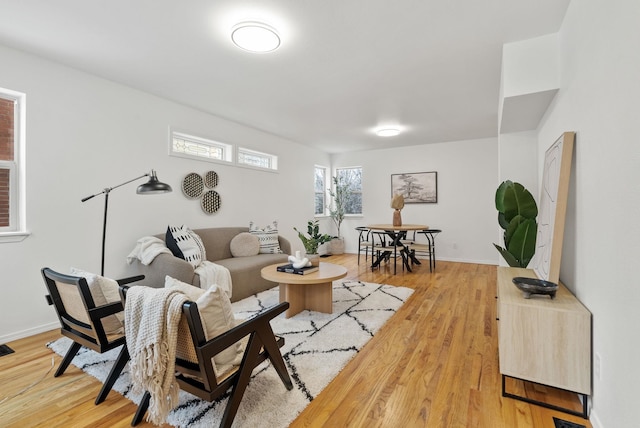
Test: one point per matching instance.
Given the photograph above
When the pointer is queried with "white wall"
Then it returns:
(84, 134)
(467, 181)
(600, 100)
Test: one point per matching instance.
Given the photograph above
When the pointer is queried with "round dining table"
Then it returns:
(397, 234)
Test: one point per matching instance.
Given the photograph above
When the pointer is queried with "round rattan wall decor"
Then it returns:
(210, 202)
(211, 179)
(192, 185)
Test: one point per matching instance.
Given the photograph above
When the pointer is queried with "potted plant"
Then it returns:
(312, 240)
(340, 195)
(517, 212)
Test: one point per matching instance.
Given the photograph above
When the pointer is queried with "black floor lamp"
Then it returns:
(151, 187)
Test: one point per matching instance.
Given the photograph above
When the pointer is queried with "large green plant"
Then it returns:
(314, 238)
(517, 212)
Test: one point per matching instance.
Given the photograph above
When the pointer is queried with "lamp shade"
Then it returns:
(153, 185)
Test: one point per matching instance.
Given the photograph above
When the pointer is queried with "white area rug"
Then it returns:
(317, 347)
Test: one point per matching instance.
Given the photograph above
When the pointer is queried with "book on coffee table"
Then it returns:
(299, 271)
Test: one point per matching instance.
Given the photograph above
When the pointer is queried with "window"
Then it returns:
(353, 177)
(189, 146)
(320, 189)
(255, 159)
(12, 197)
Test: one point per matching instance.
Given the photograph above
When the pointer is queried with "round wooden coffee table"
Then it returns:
(313, 291)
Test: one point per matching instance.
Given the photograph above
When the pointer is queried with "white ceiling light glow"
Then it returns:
(255, 37)
(388, 132)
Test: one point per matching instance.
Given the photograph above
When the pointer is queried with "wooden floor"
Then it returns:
(434, 364)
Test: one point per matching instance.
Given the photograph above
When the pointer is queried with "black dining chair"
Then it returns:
(364, 243)
(428, 249)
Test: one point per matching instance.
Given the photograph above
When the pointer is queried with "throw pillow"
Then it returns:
(245, 244)
(217, 317)
(185, 244)
(268, 237)
(103, 291)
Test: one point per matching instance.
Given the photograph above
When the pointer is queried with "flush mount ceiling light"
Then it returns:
(388, 132)
(255, 37)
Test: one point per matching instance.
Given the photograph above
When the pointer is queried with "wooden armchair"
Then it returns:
(82, 321)
(195, 371)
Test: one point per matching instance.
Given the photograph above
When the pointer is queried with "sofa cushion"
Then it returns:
(268, 237)
(217, 317)
(245, 273)
(103, 291)
(245, 244)
(186, 244)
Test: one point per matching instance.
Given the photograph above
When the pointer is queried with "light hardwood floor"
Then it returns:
(434, 364)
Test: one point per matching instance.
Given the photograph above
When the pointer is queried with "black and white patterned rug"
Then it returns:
(317, 347)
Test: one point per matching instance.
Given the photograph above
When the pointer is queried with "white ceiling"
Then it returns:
(344, 66)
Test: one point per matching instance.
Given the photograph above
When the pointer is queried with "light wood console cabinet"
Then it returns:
(543, 340)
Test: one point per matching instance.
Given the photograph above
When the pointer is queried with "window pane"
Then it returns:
(6, 129)
(319, 186)
(319, 204)
(320, 179)
(257, 159)
(354, 204)
(254, 160)
(193, 148)
(5, 175)
(352, 177)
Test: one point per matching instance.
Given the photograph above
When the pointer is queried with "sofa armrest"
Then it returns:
(167, 265)
(285, 245)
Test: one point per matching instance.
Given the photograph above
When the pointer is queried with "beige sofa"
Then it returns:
(245, 271)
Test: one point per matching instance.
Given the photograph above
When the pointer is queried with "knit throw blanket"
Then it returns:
(151, 323)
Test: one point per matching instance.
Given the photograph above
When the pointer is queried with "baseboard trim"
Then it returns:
(29, 332)
(593, 418)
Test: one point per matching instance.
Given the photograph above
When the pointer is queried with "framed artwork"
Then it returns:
(416, 187)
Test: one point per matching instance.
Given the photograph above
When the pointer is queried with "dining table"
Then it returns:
(397, 235)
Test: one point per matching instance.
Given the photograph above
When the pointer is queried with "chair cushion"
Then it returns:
(268, 237)
(185, 244)
(217, 317)
(103, 290)
(245, 244)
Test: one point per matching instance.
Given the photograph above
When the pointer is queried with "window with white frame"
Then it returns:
(255, 159)
(353, 178)
(190, 146)
(12, 191)
(320, 189)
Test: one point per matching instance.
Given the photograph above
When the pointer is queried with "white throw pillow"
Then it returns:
(245, 244)
(185, 244)
(217, 317)
(103, 290)
(268, 237)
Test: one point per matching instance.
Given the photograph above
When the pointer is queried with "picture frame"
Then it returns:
(416, 187)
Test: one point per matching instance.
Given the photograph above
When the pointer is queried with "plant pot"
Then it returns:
(314, 259)
(336, 246)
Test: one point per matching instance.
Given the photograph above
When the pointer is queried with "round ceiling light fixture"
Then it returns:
(388, 132)
(255, 37)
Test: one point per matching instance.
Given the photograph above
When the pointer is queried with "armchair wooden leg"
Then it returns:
(142, 409)
(273, 350)
(121, 361)
(73, 350)
(240, 385)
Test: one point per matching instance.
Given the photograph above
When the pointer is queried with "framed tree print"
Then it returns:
(416, 187)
